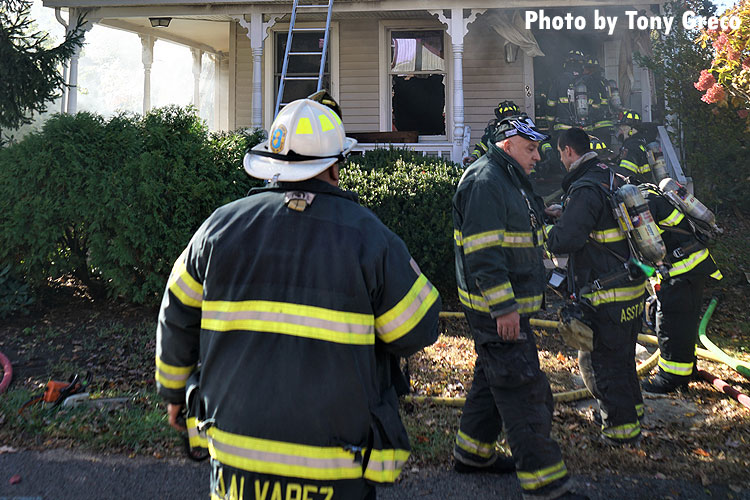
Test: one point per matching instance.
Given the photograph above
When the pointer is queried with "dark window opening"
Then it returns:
(417, 72)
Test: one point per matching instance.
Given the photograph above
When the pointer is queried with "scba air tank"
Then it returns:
(636, 218)
(582, 100)
(656, 160)
(689, 203)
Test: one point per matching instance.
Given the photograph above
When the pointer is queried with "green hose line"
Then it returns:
(739, 366)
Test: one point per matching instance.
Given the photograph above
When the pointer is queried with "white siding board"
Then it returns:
(358, 75)
(244, 82)
(488, 79)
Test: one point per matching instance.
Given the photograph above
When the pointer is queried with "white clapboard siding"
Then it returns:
(488, 79)
(358, 75)
(243, 81)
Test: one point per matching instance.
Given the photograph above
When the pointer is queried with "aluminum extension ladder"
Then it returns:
(288, 52)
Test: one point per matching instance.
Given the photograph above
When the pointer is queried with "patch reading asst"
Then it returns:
(278, 139)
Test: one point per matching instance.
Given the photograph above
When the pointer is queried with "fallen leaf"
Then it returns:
(701, 452)
(659, 475)
(15, 479)
(7, 449)
(691, 414)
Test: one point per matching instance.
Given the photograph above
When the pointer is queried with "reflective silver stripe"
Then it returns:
(673, 219)
(482, 240)
(290, 319)
(472, 301)
(484, 450)
(532, 480)
(625, 431)
(499, 294)
(608, 235)
(675, 367)
(529, 304)
(281, 458)
(400, 319)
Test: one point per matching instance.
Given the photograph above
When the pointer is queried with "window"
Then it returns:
(417, 74)
(300, 66)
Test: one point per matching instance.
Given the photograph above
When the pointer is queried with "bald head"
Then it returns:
(524, 151)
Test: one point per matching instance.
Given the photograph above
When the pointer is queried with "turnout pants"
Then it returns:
(510, 392)
(609, 370)
(677, 320)
(230, 483)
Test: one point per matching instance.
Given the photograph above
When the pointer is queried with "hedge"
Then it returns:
(411, 194)
(115, 201)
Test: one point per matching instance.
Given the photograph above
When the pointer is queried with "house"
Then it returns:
(434, 68)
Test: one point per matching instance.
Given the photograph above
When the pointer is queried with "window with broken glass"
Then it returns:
(418, 80)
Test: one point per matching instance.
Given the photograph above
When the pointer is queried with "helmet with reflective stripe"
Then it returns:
(306, 138)
(630, 117)
(506, 108)
(575, 56)
(518, 125)
(597, 144)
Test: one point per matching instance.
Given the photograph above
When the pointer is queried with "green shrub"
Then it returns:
(412, 195)
(115, 202)
(15, 295)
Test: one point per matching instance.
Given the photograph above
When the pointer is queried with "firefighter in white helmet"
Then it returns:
(293, 304)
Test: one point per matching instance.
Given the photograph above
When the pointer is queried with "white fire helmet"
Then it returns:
(305, 139)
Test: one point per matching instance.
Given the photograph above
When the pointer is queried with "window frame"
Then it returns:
(269, 56)
(384, 70)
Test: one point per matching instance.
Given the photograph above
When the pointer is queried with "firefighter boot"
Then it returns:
(501, 465)
(662, 383)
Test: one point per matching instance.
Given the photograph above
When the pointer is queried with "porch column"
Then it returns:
(257, 31)
(457, 29)
(73, 67)
(147, 58)
(197, 66)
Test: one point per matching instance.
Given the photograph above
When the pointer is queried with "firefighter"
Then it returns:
(503, 109)
(600, 120)
(498, 241)
(561, 103)
(293, 304)
(611, 298)
(679, 297)
(633, 162)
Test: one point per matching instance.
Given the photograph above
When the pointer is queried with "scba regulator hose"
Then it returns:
(7, 372)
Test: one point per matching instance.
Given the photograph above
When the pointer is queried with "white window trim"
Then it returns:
(269, 54)
(383, 70)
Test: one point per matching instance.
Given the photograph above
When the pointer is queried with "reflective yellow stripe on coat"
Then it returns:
(289, 319)
(689, 263)
(410, 310)
(172, 377)
(281, 458)
(611, 295)
(183, 285)
(608, 235)
(499, 237)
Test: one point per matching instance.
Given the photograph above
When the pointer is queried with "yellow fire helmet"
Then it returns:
(305, 139)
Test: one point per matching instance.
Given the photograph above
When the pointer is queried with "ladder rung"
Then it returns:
(301, 78)
(306, 53)
(300, 6)
(294, 30)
